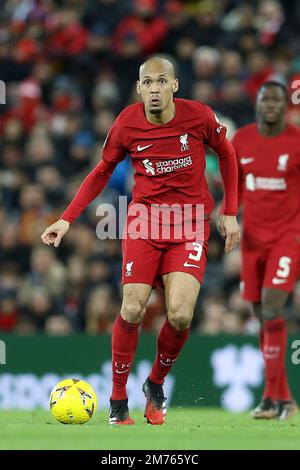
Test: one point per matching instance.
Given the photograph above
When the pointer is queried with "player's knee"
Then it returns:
(133, 311)
(270, 312)
(179, 317)
(180, 321)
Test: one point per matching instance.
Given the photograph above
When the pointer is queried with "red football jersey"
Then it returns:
(269, 184)
(168, 159)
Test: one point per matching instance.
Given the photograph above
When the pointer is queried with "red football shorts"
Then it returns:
(146, 261)
(276, 267)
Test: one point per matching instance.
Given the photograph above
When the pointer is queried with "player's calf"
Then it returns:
(156, 409)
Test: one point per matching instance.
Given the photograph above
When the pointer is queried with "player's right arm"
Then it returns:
(113, 152)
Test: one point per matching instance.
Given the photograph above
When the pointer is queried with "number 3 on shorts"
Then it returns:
(198, 250)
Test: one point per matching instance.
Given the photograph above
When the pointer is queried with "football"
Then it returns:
(73, 401)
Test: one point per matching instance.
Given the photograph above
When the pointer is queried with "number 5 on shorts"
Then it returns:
(284, 267)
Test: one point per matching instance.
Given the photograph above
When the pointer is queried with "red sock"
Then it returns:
(124, 344)
(275, 340)
(169, 344)
(261, 339)
(284, 393)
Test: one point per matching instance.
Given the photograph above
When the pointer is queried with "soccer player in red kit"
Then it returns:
(268, 156)
(165, 138)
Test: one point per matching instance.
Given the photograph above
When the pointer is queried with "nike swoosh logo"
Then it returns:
(188, 265)
(276, 281)
(139, 148)
(244, 161)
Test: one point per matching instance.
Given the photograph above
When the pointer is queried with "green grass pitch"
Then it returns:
(197, 429)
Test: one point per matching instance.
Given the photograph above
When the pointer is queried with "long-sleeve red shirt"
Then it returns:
(269, 177)
(168, 159)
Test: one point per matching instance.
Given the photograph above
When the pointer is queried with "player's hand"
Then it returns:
(54, 233)
(229, 228)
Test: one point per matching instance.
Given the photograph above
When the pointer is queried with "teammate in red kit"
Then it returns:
(268, 158)
(165, 138)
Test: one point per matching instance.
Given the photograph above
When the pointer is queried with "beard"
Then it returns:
(155, 110)
(272, 122)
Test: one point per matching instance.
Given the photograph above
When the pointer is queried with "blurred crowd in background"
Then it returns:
(70, 67)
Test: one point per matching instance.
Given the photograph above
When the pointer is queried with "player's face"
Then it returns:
(271, 104)
(156, 86)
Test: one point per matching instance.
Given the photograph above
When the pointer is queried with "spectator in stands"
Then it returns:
(68, 67)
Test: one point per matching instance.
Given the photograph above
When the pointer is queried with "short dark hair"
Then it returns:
(270, 83)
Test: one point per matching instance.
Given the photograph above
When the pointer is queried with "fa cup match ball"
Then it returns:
(73, 401)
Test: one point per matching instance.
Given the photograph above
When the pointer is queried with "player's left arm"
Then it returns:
(235, 143)
(216, 139)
